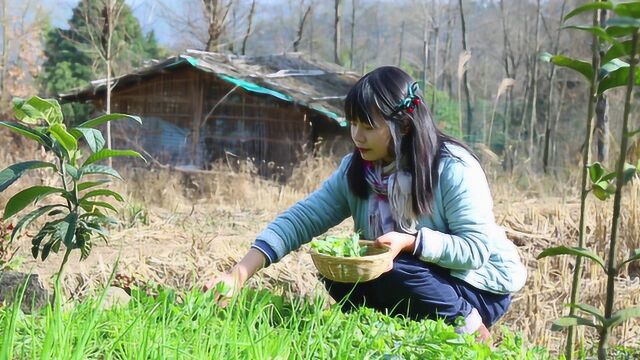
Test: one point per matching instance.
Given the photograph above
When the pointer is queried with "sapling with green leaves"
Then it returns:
(75, 211)
(621, 35)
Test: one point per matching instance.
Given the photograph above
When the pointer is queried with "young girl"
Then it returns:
(420, 192)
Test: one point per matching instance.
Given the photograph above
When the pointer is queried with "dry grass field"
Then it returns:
(179, 229)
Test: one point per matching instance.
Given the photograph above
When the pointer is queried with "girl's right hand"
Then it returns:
(224, 286)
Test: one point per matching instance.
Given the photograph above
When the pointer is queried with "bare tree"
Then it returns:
(601, 130)
(21, 52)
(401, 43)
(354, 4)
(101, 39)
(215, 12)
(464, 76)
(435, 22)
(250, 20)
(337, 25)
(301, 24)
(550, 97)
(534, 82)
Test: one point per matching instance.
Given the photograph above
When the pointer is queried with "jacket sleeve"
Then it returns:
(468, 211)
(324, 208)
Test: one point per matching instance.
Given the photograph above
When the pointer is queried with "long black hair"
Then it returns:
(422, 144)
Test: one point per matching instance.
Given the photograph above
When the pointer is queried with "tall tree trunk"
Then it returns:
(447, 78)
(4, 60)
(354, 4)
(216, 14)
(425, 53)
(601, 131)
(534, 82)
(552, 139)
(401, 41)
(312, 34)
(550, 97)
(106, 43)
(465, 77)
(303, 20)
(337, 25)
(250, 20)
(436, 55)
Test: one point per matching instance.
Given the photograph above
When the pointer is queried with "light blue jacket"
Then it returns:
(460, 234)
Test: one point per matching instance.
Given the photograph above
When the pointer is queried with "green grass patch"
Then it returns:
(255, 325)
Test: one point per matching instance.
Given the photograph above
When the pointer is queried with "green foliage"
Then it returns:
(255, 325)
(614, 71)
(576, 251)
(344, 246)
(76, 219)
(72, 59)
(446, 114)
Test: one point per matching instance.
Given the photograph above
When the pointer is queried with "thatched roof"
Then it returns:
(311, 83)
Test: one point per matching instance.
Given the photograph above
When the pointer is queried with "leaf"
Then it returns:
(569, 321)
(633, 133)
(35, 108)
(635, 255)
(100, 169)
(106, 118)
(37, 240)
(622, 315)
(67, 229)
(108, 153)
(580, 66)
(628, 172)
(597, 31)
(89, 184)
(9, 175)
(601, 192)
(93, 137)
(22, 199)
(29, 218)
(72, 171)
(589, 7)
(52, 244)
(629, 8)
(596, 172)
(589, 309)
(617, 78)
(611, 66)
(29, 133)
(624, 22)
(65, 139)
(90, 205)
(617, 51)
(575, 251)
(103, 192)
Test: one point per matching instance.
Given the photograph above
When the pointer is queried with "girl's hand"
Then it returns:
(224, 286)
(398, 242)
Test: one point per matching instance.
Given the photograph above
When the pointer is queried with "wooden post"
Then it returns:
(197, 92)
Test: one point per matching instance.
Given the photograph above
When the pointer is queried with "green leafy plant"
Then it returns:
(343, 246)
(75, 211)
(620, 37)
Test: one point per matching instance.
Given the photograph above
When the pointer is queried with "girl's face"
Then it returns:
(372, 141)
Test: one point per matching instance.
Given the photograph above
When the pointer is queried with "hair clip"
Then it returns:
(410, 101)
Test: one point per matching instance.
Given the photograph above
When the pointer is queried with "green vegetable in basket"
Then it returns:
(345, 246)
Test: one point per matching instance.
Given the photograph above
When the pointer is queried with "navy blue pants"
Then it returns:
(418, 290)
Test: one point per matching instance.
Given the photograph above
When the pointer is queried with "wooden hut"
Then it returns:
(199, 106)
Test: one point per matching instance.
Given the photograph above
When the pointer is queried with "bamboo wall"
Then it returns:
(245, 125)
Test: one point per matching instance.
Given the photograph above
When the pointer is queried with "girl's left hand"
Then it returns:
(398, 242)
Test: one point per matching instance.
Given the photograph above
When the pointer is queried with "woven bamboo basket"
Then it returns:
(354, 269)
